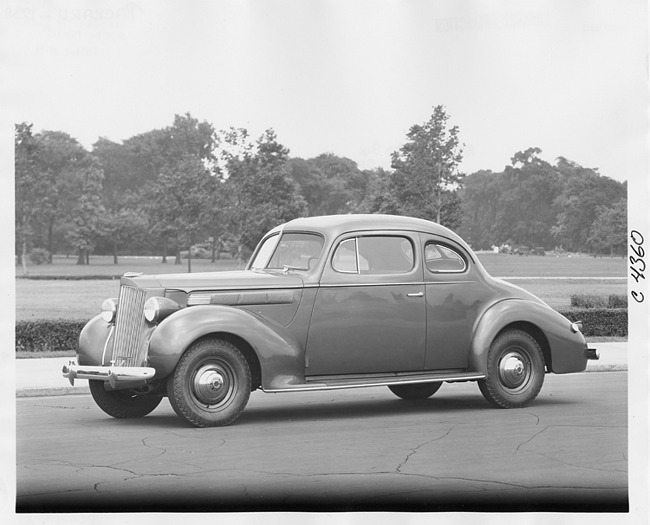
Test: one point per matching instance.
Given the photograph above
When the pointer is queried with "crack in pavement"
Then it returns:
(136, 476)
(534, 415)
(581, 467)
(414, 450)
(531, 438)
(440, 479)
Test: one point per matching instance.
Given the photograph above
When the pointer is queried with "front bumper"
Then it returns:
(112, 374)
(592, 354)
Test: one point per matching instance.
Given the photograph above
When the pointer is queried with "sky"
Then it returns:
(344, 77)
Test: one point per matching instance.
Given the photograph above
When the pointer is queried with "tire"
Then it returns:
(515, 370)
(415, 391)
(211, 384)
(122, 403)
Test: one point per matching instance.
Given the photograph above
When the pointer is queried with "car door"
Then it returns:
(455, 294)
(369, 311)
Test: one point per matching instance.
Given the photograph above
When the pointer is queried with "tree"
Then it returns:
(329, 184)
(29, 190)
(147, 156)
(608, 233)
(481, 202)
(426, 169)
(379, 198)
(58, 186)
(259, 191)
(61, 163)
(526, 210)
(585, 194)
(85, 211)
(181, 202)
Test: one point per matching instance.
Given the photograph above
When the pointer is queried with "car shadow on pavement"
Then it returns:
(335, 409)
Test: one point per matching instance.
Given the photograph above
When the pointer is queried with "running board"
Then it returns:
(360, 381)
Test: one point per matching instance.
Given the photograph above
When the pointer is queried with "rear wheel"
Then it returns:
(211, 384)
(515, 370)
(122, 403)
(415, 391)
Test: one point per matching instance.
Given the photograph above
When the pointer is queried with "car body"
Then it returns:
(330, 302)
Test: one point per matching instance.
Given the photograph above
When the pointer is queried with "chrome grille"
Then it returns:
(129, 325)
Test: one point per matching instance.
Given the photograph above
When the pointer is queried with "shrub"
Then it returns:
(588, 301)
(39, 256)
(600, 322)
(48, 335)
(617, 301)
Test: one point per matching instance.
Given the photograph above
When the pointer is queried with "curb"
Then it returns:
(56, 391)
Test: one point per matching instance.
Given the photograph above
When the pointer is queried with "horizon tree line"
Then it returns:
(167, 190)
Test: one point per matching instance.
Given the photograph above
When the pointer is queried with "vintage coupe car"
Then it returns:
(325, 303)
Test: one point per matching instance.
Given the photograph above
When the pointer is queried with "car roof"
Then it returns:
(334, 225)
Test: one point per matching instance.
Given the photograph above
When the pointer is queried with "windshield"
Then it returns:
(295, 251)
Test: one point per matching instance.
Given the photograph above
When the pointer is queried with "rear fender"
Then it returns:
(280, 356)
(564, 349)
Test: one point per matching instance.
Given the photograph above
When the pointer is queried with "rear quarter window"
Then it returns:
(439, 258)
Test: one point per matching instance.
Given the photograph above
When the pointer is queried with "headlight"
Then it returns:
(576, 327)
(157, 308)
(109, 310)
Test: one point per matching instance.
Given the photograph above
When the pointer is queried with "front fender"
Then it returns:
(567, 348)
(281, 357)
(94, 341)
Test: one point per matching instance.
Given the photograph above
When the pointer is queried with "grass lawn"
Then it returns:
(553, 279)
(577, 266)
(102, 265)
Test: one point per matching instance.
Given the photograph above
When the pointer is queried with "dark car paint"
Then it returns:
(320, 322)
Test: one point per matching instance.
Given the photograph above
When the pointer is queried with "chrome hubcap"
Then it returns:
(212, 384)
(514, 370)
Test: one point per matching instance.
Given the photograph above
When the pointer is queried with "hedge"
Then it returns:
(598, 322)
(598, 301)
(62, 335)
(48, 335)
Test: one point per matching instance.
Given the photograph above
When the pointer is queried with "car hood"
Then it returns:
(233, 280)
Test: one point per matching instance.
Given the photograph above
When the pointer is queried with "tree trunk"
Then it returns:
(23, 256)
(189, 260)
(164, 259)
(178, 255)
(115, 251)
(214, 248)
(50, 234)
(81, 260)
(88, 257)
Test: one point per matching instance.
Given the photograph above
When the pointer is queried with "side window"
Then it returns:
(374, 255)
(442, 259)
(345, 257)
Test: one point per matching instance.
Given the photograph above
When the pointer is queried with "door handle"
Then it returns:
(418, 294)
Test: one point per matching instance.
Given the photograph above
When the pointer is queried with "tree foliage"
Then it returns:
(185, 184)
(329, 184)
(425, 174)
(260, 192)
(535, 203)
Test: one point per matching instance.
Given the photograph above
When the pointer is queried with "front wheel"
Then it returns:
(211, 384)
(122, 403)
(515, 370)
(415, 391)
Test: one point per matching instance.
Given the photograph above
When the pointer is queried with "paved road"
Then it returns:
(347, 450)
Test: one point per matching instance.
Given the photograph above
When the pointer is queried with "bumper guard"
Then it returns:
(592, 354)
(112, 374)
